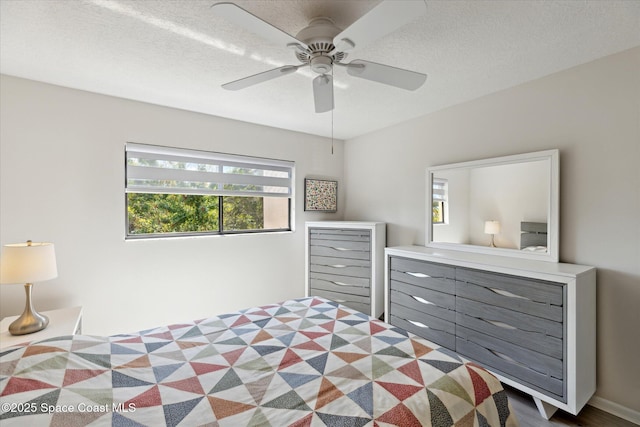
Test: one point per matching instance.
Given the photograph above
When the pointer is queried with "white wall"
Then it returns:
(62, 180)
(592, 114)
(509, 194)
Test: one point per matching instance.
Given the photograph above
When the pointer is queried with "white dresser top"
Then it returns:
(502, 264)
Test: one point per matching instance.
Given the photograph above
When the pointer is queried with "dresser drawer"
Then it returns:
(534, 333)
(357, 302)
(424, 274)
(541, 372)
(337, 283)
(535, 297)
(434, 303)
(434, 329)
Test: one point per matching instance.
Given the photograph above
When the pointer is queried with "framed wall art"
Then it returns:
(320, 195)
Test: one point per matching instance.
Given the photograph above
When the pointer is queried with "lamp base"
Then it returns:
(30, 321)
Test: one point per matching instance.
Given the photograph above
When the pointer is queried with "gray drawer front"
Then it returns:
(340, 249)
(538, 371)
(433, 328)
(354, 235)
(441, 338)
(355, 302)
(341, 266)
(343, 284)
(435, 303)
(530, 296)
(424, 274)
(537, 334)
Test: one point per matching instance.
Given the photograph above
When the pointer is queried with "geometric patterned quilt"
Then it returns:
(304, 362)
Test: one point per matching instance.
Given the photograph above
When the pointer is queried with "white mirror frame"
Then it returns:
(553, 207)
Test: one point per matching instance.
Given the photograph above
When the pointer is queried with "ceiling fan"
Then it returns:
(322, 45)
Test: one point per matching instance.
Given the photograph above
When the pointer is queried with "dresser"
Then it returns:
(531, 323)
(345, 263)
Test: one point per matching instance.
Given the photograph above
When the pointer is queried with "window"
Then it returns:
(439, 200)
(178, 192)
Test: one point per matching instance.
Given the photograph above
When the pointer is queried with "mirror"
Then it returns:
(502, 206)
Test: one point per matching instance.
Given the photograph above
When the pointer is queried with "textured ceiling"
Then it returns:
(177, 53)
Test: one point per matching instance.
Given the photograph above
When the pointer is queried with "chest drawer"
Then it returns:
(340, 266)
(337, 283)
(356, 302)
(337, 248)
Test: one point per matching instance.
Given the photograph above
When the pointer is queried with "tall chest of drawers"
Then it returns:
(531, 323)
(345, 263)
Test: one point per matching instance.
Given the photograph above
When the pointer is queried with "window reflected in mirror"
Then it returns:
(439, 207)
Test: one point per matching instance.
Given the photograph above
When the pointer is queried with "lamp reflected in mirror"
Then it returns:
(28, 263)
(492, 228)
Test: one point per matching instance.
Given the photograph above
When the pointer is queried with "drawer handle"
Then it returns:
(500, 324)
(507, 293)
(418, 324)
(337, 265)
(340, 283)
(422, 300)
(340, 300)
(420, 275)
(510, 360)
(340, 249)
(504, 357)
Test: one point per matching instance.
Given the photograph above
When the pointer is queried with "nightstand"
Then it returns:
(65, 321)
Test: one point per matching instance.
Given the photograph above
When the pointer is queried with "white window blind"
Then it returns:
(439, 192)
(155, 169)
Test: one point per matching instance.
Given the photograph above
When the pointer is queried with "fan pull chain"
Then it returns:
(333, 107)
(332, 132)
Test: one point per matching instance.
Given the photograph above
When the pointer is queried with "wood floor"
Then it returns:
(529, 416)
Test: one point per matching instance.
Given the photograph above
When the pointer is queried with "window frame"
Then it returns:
(220, 231)
(440, 196)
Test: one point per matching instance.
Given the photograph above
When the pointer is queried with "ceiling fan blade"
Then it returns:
(323, 93)
(386, 74)
(252, 23)
(260, 77)
(383, 19)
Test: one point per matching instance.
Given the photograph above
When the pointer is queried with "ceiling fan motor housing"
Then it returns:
(318, 36)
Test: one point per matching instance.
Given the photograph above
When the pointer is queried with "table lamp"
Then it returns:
(493, 228)
(28, 263)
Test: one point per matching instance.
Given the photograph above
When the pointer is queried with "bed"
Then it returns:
(302, 362)
(533, 236)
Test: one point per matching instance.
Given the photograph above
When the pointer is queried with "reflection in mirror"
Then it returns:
(506, 206)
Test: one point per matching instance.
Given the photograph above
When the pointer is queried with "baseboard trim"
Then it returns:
(615, 409)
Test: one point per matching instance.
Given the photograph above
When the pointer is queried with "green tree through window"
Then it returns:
(173, 191)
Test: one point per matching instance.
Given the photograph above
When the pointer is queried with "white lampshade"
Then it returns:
(492, 227)
(28, 263)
